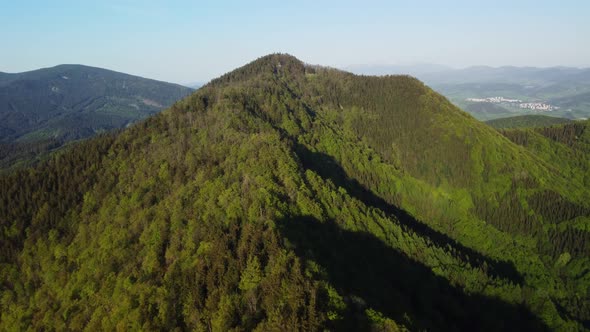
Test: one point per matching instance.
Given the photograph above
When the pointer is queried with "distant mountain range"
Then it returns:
(441, 74)
(68, 102)
(566, 88)
(412, 70)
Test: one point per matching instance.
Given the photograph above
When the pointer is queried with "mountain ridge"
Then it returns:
(37, 96)
(73, 66)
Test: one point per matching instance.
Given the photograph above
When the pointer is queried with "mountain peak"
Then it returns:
(275, 61)
(272, 64)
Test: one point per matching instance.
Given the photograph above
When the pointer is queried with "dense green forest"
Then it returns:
(526, 121)
(283, 196)
(23, 154)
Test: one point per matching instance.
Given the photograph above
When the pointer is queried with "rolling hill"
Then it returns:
(75, 101)
(41, 110)
(288, 196)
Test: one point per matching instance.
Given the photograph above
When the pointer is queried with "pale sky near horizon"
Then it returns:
(187, 41)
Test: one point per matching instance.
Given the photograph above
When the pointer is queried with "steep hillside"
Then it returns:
(526, 121)
(287, 196)
(73, 101)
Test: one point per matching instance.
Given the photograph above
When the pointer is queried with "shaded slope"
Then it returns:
(231, 209)
(396, 284)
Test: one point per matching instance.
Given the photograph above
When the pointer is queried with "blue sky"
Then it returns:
(184, 41)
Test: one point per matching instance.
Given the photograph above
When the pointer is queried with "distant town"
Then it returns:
(494, 100)
(536, 106)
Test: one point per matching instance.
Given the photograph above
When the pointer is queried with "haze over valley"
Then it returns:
(496, 92)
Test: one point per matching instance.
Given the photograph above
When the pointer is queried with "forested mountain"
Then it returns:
(75, 101)
(50, 106)
(526, 121)
(283, 196)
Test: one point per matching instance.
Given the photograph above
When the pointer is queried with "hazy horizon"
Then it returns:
(354, 68)
(184, 42)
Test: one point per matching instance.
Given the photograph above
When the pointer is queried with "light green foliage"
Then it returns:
(336, 303)
(563, 259)
(251, 276)
(382, 323)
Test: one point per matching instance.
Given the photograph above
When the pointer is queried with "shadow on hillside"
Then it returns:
(328, 168)
(369, 274)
